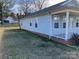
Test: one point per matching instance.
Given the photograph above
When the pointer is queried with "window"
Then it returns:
(30, 24)
(30, 21)
(36, 25)
(77, 24)
(64, 25)
(56, 17)
(56, 25)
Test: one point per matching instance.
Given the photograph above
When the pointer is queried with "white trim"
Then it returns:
(58, 37)
(67, 24)
(67, 2)
(50, 28)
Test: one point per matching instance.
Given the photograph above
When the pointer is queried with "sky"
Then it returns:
(52, 2)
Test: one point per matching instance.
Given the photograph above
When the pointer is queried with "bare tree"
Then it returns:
(4, 6)
(40, 4)
(33, 5)
(26, 5)
(7, 4)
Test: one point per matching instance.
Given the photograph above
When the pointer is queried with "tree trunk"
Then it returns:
(19, 24)
(18, 21)
(1, 16)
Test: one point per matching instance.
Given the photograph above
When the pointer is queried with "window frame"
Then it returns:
(56, 25)
(30, 23)
(36, 25)
(77, 24)
(64, 24)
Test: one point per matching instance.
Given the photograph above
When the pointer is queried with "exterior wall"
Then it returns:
(42, 21)
(59, 32)
(46, 25)
(72, 25)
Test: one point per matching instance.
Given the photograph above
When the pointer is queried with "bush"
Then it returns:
(75, 39)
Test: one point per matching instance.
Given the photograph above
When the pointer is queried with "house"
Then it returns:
(60, 21)
(10, 20)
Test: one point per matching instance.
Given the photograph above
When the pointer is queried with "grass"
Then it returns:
(20, 44)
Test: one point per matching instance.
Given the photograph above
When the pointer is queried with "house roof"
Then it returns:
(68, 4)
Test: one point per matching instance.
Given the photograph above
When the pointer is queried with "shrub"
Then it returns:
(75, 39)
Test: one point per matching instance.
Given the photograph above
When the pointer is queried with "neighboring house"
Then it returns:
(10, 20)
(60, 20)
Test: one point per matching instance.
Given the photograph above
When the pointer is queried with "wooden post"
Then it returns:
(67, 25)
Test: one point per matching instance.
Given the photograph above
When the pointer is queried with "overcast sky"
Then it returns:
(52, 2)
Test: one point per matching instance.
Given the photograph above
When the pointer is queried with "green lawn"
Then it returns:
(20, 44)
